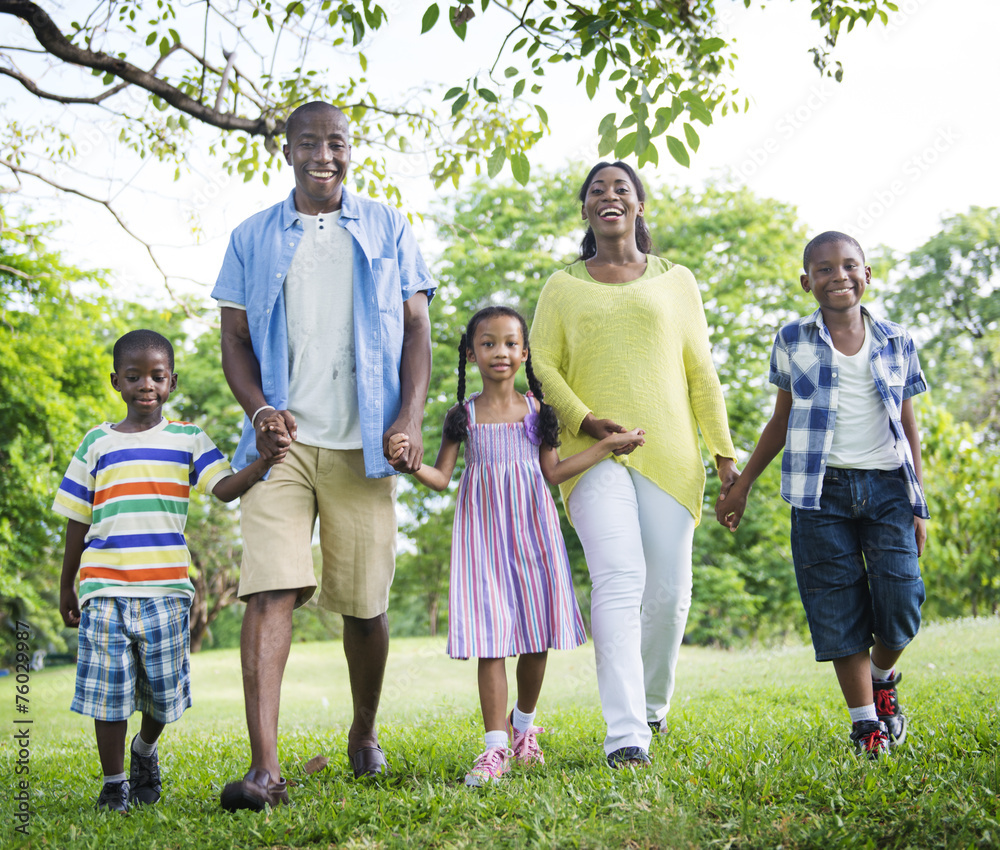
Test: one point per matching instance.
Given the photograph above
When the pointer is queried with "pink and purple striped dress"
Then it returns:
(511, 589)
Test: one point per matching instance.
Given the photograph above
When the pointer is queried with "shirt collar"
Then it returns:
(349, 208)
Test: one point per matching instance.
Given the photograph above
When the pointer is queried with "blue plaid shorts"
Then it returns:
(133, 655)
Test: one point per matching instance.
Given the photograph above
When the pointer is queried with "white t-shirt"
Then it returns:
(319, 312)
(862, 438)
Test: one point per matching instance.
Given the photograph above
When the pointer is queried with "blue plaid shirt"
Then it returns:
(802, 363)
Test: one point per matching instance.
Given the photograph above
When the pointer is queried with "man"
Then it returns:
(326, 346)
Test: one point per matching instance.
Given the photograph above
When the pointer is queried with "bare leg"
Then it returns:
(264, 643)
(885, 659)
(366, 645)
(854, 675)
(530, 673)
(150, 729)
(111, 745)
(493, 693)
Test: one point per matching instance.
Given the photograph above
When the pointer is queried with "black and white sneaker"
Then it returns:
(888, 710)
(144, 777)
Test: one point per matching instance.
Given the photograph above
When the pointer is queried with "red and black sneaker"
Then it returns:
(888, 710)
(870, 738)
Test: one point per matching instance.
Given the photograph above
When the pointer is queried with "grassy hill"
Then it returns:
(757, 756)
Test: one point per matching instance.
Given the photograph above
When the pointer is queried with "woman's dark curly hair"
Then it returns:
(643, 241)
(456, 423)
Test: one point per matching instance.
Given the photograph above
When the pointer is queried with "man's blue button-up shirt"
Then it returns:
(388, 270)
(802, 363)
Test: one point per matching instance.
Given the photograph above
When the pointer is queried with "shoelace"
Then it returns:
(526, 744)
(491, 761)
(885, 702)
(874, 741)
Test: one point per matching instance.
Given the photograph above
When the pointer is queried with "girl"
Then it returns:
(511, 591)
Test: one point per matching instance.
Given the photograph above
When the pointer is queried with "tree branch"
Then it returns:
(17, 169)
(32, 87)
(52, 39)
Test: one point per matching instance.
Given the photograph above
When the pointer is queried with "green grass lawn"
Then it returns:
(757, 756)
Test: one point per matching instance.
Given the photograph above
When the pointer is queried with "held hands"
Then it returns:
(403, 453)
(732, 501)
(600, 429)
(623, 442)
(275, 430)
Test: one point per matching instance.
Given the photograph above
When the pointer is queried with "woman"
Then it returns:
(620, 341)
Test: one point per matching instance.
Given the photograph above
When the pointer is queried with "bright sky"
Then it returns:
(908, 137)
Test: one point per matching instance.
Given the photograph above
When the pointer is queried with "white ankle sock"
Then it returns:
(118, 777)
(880, 675)
(863, 712)
(497, 739)
(521, 720)
(141, 748)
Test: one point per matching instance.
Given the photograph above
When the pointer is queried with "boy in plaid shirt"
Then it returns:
(851, 472)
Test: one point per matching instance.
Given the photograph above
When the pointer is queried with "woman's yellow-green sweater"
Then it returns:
(637, 353)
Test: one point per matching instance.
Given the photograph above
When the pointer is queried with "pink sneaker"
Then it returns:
(525, 744)
(489, 767)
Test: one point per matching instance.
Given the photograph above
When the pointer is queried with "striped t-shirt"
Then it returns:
(132, 490)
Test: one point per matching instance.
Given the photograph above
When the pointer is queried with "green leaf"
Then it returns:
(518, 88)
(711, 45)
(487, 95)
(521, 167)
(625, 146)
(456, 107)
(591, 85)
(607, 143)
(542, 114)
(678, 151)
(149, 40)
(430, 18)
(607, 124)
(495, 163)
(617, 74)
(453, 92)
(164, 46)
(691, 136)
(511, 72)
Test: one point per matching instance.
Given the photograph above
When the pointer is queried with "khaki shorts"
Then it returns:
(357, 531)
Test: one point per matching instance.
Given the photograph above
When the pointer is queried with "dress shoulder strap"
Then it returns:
(471, 408)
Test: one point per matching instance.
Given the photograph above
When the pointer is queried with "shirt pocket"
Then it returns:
(805, 373)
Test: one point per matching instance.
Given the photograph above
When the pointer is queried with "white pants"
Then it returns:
(637, 540)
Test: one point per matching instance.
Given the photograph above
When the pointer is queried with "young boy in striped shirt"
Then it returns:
(851, 472)
(125, 497)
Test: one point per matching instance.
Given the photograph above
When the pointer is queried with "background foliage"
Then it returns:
(499, 242)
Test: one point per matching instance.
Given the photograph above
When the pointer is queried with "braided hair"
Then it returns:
(456, 422)
(643, 241)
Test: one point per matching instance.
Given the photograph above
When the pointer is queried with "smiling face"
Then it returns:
(144, 379)
(612, 204)
(319, 152)
(498, 348)
(837, 276)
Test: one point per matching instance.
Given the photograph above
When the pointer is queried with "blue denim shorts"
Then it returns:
(133, 655)
(856, 563)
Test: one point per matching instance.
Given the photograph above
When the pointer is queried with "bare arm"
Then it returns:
(732, 503)
(235, 485)
(912, 432)
(69, 603)
(557, 471)
(414, 379)
(242, 371)
(437, 477)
